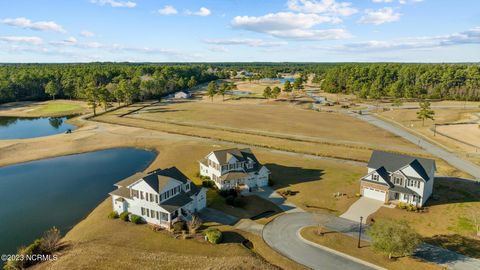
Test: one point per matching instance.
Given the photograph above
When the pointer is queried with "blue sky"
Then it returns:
(240, 30)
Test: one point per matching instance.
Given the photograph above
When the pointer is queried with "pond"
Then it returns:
(281, 80)
(30, 127)
(61, 191)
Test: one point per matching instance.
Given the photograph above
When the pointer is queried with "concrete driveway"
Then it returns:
(362, 208)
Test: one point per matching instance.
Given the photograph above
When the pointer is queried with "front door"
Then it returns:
(397, 196)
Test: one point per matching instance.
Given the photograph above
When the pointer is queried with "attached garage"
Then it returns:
(372, 193)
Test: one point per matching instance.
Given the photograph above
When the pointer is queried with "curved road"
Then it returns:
(281, 235)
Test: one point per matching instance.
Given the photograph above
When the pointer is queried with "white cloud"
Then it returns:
(203, 11)
(218, 49)
(22, 39)
(68, 41)
(383, 1)
(291, 26)
(168, 10)
(329, 7)
(471, 36)
(114, 3)
(86, 33)
(245, 41)
(380, 16)
(39, 26)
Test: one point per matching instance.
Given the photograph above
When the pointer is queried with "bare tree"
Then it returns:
(51, 240)
(194, 224)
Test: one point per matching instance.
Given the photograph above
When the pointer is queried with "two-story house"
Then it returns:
(160, 197)
(398, 178)
(231, 168)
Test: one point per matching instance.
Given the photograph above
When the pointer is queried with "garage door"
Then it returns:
(374, 194)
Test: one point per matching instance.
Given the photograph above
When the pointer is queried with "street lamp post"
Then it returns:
(360, 232)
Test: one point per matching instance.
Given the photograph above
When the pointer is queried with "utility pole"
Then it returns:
(360, 232)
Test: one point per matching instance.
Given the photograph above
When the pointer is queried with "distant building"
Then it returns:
(161, 197)
(398, 178)
(231, 168)
(182, 94)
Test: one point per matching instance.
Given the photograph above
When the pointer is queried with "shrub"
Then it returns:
(208, 183)
(401, 205)
(213, 235)
(51, 240)
(178, 226)
(239, 202)
(229, 200)
(227, 192)
(113, 215)
(124, 216)
(135, 219)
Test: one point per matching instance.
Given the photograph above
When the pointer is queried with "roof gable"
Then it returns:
(394, 162)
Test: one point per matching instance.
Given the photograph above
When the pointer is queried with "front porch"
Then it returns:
(396, 197)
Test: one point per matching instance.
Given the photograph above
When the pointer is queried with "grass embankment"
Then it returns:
(101, 243)
(348, 245)
(43, 108)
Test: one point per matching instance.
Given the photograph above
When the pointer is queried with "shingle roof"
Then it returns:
(404, 190)
(240, 154)
(233, 175)
(122, 192)
(393, 162)
(131, 179)
(176, 202)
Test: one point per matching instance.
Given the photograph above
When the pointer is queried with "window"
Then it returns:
(135, 193)
(141, 195)
(151, 197)
(143, 211)
(156, 198)
(146, 196)
(152, 213)
(406, 197)
(156, 213)
(375, 177)
(148, 212)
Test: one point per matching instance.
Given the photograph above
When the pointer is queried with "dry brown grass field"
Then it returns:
(101, 243)
(278, 125)
(348, 245)
(469, 133)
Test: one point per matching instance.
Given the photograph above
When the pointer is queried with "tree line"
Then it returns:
(435, 81)
(99, 82)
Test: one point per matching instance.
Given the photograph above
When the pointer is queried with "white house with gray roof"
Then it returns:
(231, 168)
(160, 197)
(398, 178)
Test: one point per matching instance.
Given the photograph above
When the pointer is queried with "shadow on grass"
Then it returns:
(284, 176)
(232, 237)
(448, 190)
(458, 243)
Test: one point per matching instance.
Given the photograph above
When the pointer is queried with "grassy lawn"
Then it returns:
(254, 205)
(59, 108)
(446, 221)
(44, 108)
(348, 245)
(101, 243)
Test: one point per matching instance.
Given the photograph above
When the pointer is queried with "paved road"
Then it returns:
(281, 235)
(449, 157)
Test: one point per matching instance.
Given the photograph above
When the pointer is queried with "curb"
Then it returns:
(341, 254)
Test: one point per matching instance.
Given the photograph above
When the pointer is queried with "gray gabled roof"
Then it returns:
(176, 202)
(393, 162)
(240, 154)
(157, 179)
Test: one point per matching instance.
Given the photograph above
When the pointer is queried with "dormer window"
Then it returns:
(187, 186)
